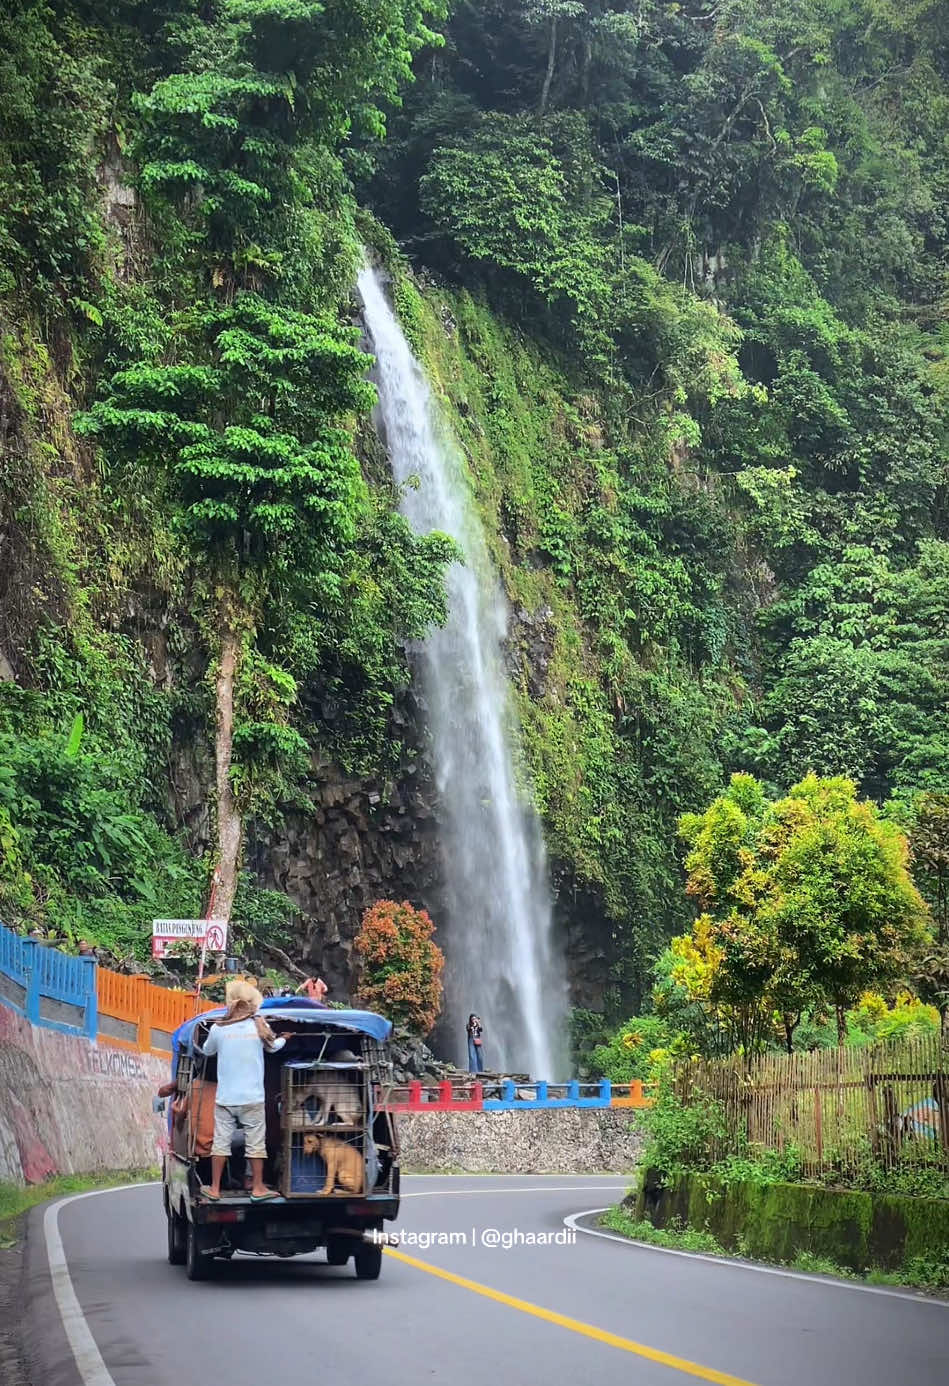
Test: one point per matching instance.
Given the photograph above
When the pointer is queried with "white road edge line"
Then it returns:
(92, 1369)
(913, 1296)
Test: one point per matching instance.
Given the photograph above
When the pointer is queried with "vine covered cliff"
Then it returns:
(678, 277)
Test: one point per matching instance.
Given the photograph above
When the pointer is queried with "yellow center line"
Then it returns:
(587, 1330)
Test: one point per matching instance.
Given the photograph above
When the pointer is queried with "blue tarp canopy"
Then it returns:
(297, 1008)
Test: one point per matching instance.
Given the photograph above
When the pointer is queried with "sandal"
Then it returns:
(209, 1195)
(262, 1198)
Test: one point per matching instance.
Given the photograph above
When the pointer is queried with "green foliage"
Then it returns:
(615, 637)
(85, 863)
(263, 469)
(216, 386)
(707, 433)
(53, 95)
(238, 399)
(805, 900)
(679, 1136)
(784, 168)
(588, 1030)
(929, 843)
(507, 200)
(629, 1052)
(804, 1225)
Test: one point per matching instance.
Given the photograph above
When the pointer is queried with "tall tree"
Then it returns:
(804, 899)
(929, 841)
(246, 399)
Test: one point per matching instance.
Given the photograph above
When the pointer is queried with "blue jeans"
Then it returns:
(475, 1057)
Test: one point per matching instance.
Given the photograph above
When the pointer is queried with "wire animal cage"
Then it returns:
(325, 1117)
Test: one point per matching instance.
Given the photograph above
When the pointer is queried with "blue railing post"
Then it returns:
(31, 1001)
(606, 1091)
(91, 1013)
(541, 1091)
(573, 1090)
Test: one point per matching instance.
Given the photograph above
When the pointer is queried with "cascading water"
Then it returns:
(497, 934)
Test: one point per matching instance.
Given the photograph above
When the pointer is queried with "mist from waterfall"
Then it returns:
(497, 929)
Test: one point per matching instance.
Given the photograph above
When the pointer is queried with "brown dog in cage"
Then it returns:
(344, 1164)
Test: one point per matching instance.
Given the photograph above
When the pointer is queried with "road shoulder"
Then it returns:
(13, 1370)
(587, 1222)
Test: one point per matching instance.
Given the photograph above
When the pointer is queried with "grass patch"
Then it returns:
(919, 1273)
(676, 1235)
(821, 1265)
(15, 1200)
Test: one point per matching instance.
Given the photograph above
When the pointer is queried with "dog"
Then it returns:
(344, 1164)
(336, 1097)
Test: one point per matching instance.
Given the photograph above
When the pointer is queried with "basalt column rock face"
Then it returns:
(364, 842)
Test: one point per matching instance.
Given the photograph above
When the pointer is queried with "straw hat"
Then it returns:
(243, 991)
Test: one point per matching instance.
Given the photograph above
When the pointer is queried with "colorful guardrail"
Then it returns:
(135, 1014)
(511, 1096)
(48, 987)
(76, 996)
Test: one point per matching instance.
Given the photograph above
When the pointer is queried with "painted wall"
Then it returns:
(70, 1106)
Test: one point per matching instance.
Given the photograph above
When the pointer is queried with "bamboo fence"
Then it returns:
(834, 1107)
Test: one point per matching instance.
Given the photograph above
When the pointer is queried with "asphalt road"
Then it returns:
(593, 1310)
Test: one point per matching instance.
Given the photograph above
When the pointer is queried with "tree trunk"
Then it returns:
(585, 71)
(229, 825)
(551, 60)
(790, 1024)
(841, 1026)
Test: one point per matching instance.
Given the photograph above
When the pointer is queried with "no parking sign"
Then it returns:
(211, 932)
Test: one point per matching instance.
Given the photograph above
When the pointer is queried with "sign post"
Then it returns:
(210, 933)
(217, 931)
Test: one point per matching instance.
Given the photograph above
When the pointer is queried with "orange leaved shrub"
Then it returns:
(400, 966)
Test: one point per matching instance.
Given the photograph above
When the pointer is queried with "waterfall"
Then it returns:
(500, 960)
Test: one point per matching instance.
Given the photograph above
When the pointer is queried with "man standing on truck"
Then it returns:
(239, 1041)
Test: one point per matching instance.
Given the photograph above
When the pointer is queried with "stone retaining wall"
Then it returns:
(863, 1231)
(69, 1106)
(569, 1141)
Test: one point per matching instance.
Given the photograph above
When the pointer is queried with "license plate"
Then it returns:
(290, 1229)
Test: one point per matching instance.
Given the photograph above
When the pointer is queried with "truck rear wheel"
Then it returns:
(177, 1249)
(338, 1251)
(368, 1260)
(197, 1266)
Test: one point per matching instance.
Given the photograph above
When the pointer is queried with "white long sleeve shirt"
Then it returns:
(240, 1062)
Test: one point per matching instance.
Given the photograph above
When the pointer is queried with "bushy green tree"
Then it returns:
(805, 899)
